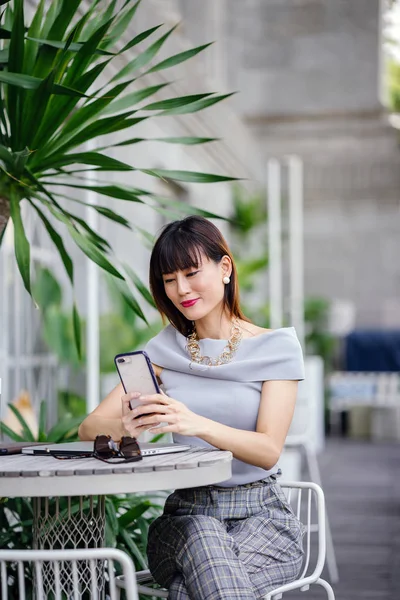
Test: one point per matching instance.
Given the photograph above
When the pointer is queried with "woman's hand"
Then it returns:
(130, 424)
(160, 408)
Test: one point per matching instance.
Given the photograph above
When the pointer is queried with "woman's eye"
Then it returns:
(192, 273)
(168, 280)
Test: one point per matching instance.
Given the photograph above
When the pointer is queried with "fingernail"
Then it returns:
(135, 394)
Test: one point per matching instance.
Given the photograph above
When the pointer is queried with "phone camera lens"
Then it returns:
(121, 360)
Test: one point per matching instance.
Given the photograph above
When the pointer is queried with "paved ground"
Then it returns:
(362, 489)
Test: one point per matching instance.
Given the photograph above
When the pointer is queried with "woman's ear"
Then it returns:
(226, 265)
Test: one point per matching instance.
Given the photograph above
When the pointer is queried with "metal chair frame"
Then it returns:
(54, 562)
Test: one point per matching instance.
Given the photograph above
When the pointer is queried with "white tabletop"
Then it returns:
(43, 476)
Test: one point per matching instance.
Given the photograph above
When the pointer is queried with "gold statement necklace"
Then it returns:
(193, 348)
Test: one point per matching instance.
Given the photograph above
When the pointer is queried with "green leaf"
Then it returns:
(112, 520)
(59, 109)
(93, 252)
(139, 38)
(129, 517)
(4, 56)
(157, 438)
(10, 433)
(188, 141)
(144, 57)
(31, 49)
(98, 128)
(2, 234)
(187, 176)
(114, 191)
(26, 431)
(176, 102)
(28, 82)
(57, 241)
(84, 114)
(21, 244)
(109, 214)
(140, 285)
(184, 208)
(195, 106)
(74, 47)
(86, 158)
(42, 421)
(64, 18)
(64, 429)
(121, 24)
(178, 58)
(6, 156)
(133, 548)
(16, 61)
(129, 300)
(133, 98)
(77, 330)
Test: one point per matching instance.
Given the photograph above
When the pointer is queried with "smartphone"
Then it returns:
(137, 374)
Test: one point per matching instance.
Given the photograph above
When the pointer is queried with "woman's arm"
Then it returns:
(113, 416)
(106, 418)
(261, 448)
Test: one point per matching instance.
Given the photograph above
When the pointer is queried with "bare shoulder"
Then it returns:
(251, 330)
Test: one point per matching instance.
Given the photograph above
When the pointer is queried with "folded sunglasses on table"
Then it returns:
(107, 450)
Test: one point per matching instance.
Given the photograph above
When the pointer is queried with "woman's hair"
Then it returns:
(179, 247)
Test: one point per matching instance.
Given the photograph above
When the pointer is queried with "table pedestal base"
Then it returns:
(70, 522)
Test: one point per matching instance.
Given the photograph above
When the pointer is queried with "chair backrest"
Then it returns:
(308, 503)
(60, 574)
(351, 388)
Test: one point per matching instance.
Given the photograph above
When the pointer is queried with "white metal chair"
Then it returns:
(302, 436)
(308, 502)
(60, 574)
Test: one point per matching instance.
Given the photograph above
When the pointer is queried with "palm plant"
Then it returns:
(56, 97)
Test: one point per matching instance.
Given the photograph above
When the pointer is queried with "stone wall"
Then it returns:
(308, 73)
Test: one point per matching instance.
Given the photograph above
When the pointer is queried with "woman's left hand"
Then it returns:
(164, 409)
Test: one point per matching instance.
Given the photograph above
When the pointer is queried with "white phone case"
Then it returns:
(136, 374)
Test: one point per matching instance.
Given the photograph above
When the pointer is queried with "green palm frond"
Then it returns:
(57, 96)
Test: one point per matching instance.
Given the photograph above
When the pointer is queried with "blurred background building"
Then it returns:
(311, 81)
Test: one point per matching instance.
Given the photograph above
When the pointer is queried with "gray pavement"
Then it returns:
(361, 481)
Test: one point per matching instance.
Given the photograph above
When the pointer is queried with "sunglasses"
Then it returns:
(107, 450)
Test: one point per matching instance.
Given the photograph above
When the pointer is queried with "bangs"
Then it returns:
(179, 253)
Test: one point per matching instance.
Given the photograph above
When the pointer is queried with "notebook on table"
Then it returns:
(82, 448)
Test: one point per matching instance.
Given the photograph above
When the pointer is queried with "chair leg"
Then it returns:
(315, 476)
(328, 588)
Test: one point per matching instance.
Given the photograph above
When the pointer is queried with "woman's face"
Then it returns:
(197, 292)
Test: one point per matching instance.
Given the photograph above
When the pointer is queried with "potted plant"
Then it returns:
(56, 97)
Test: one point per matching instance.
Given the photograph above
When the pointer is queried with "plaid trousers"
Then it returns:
(216, 543)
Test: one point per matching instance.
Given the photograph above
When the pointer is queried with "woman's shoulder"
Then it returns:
(163, 348)
(252, 331)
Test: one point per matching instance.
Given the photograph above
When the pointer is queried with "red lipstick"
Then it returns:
(187, 303)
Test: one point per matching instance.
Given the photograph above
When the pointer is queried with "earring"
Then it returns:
(226, 280)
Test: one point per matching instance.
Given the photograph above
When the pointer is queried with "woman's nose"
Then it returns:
(183, 286)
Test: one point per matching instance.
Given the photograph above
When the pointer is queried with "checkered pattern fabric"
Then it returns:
(217, 543)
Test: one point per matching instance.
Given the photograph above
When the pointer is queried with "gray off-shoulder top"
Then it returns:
(230, 393)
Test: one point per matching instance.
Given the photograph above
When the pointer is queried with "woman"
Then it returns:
(231, 385)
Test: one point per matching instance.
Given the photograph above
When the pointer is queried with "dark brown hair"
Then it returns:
(179, 247)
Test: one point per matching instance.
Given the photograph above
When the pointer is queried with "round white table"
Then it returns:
(44, 476)
(61, 520)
